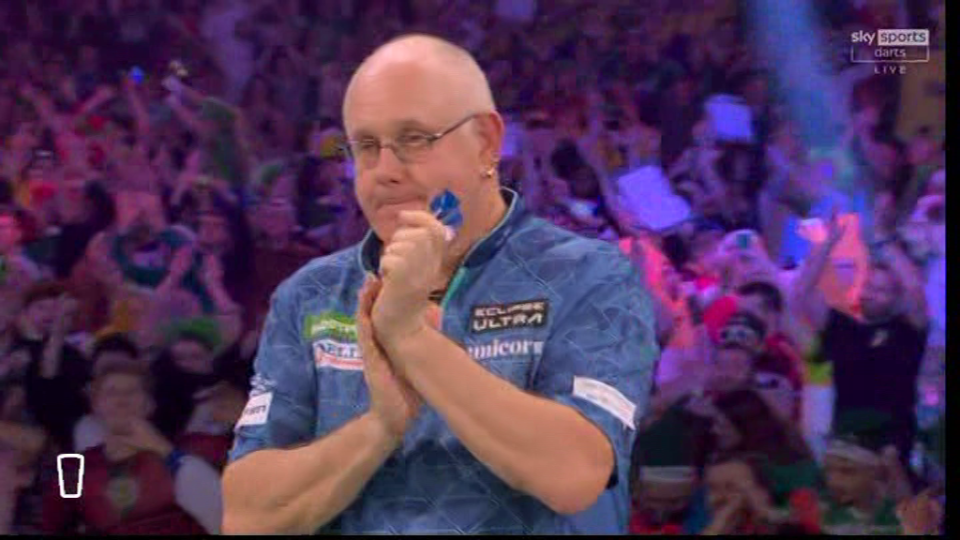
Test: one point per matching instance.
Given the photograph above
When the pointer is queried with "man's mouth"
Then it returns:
(396, 205)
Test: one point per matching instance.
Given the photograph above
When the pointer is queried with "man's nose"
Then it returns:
(388, 169)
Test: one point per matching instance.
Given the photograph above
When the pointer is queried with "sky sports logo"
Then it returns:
(890, 46)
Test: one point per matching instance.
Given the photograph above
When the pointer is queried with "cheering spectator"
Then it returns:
(741, 343)
(737, 499)
(668, 460)
(14, 265)
(137, 481)
(876, 359)
(54, 372)
(185, 367)
(111, 348)
(863, 475)
(87, 210)
(749, 425)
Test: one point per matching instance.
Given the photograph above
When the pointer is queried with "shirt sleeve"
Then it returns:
(280, 411)
(600, 356)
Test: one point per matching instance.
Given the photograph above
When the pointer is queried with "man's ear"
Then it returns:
(490, 129)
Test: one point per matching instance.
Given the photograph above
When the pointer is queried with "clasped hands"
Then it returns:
(395, 308)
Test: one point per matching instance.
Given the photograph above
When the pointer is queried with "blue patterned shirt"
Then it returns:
(555, 314)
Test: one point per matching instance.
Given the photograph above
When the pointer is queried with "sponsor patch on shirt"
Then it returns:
(256, 410)
(330, 324)
(607, 398)
(333, 338)
(528, 314)
(336, 354)
(500, 349)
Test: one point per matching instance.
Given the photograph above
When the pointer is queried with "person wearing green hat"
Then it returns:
(186, 366)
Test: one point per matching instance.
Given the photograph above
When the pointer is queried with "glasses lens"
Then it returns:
(412, 147)
(364, 152)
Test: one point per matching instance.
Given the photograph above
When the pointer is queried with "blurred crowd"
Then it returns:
(165, 164)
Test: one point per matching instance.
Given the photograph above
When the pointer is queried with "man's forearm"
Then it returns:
(296, 491)
(535, 445)
(812, 270)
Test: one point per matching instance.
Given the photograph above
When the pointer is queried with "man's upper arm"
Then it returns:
(281, 409)
(600, 357)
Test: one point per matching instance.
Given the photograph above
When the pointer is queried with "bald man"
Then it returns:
(411, 384)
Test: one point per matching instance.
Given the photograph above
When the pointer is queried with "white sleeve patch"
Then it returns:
(256, 411)
(607, 398)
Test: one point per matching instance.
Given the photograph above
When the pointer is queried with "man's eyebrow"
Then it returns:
(410, 123)
(404, 124)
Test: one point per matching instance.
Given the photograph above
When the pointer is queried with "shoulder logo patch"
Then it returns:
(607, 398)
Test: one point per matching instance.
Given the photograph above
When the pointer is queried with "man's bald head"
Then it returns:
(442, 62)
(421, 88)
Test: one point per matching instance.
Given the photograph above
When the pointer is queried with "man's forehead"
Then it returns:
(387, 125)
(399, 88)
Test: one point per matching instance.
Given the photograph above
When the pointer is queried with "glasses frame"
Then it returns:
(402, 156)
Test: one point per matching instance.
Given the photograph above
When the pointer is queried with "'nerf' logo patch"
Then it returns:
(529, 314)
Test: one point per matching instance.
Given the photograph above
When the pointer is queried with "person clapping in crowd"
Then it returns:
(136, 481)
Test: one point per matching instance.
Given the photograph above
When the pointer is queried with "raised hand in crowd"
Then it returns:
(180, 266)
(63, 319)
(921, 514)
(897, 482)
(140, 434)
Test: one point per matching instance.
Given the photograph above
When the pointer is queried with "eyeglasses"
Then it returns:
(409, 147)
(739, 337)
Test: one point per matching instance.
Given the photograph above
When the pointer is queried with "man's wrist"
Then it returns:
(391, 337)
(383, 437)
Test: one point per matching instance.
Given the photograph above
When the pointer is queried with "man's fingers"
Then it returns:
(388, 262)
(366, 296)
(415, 218)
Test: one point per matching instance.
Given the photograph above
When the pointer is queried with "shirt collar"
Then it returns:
(481, 252)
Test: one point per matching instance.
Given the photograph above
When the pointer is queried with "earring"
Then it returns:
(492, 171)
